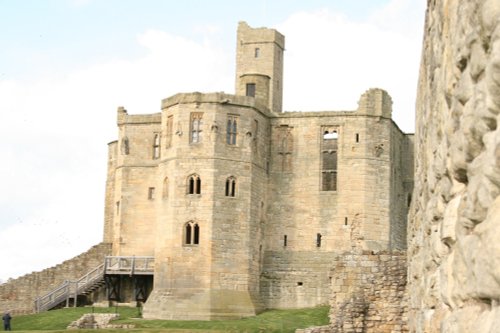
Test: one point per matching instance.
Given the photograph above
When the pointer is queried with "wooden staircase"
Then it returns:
(94, 280)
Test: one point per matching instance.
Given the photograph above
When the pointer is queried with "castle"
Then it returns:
(221, 206)
(289, 201)
(243, 206)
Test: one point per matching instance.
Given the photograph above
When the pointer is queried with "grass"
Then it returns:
(272, 321)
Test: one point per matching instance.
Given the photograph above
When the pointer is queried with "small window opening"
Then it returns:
(285, 240)
(345, 220)
(357, 137)
(250, 89)
(318, 240)
(257, 52)
(156, 146)
(194, 184)
(196, 238)
(230, 187)
(188, 233)
(192, 233)
(408, 200)
(300, 284)
(151, 193)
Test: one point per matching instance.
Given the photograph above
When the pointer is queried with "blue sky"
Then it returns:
(66, 65)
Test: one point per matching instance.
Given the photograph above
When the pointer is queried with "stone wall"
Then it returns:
(368, 293)
(295, 279)
(18, 295)
(454, 251)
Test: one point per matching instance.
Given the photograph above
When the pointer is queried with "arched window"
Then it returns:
(194, 184)
(165, 188)
(196, 127)
(230, 186)
(156, 146)
(191, 233)
(231, 130)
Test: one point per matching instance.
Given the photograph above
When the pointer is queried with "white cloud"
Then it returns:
(54, 135)
(330, 61)
(55, 130)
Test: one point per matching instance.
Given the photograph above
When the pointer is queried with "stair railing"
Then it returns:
(89, 279)
(69, 289)
(112, 265)
(54, 297)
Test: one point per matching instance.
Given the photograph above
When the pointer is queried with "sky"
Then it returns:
(67, 65)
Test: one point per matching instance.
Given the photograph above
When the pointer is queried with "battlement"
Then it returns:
(260, 35)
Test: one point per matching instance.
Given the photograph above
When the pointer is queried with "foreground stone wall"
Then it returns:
(18, 295)
(454, 251)
(368, 294)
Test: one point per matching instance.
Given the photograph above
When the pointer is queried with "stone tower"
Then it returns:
(259, 65)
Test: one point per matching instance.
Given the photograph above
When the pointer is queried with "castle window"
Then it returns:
(250, 89)
(285, 240)
(318, 240)
(257, 52)
(329, 152)
(124, 147)
(156, 146)
(170, 125)
(357, 137)
(151, 193)
(230, 187)
(165, 188)
(196, 127)
(231, 130)
(191, 233)
(194, 184)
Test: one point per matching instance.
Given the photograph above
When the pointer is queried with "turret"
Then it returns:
(259, 65)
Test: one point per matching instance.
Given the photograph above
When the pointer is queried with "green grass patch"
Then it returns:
(272, 321)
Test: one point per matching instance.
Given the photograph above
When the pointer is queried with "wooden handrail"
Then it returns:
(112, 265)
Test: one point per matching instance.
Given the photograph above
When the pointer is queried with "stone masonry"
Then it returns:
(454, 229)
(18, 295)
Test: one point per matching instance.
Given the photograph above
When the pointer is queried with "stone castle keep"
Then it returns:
(244, 206)
(241, 206)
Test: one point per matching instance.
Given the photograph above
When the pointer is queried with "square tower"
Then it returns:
(259, 65)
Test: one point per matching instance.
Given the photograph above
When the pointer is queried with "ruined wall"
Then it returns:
(454, 251)
(18, 295)
(368, 293)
